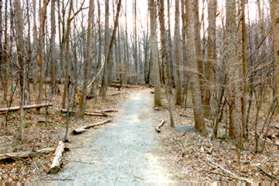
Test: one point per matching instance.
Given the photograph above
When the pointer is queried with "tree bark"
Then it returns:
(57, 160)
(19, 27)
(178, 46)
(25, 154)
(211, 61)
(40, 54)
(154, 53)
(88, 58)
(165, 58)
(25, 107)
(105, 79)
(108, 53)
(83, 129)
(274, 8)
(52, 48)
(193, 67)
(244, 75)
(233, 70)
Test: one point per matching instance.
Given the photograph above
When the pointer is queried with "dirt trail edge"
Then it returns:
(127, 151)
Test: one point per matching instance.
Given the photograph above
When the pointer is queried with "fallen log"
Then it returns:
(158, 128)
(83, 129)
(114, 85)
(25, 107)
(57, 160)
(156, 108)
(98, 124)
(185, 116)
(105, 111)
(274, 126)
(78, 131)
(99, 114)
(114, 94)
(232, 174)
(264, 172)
(24, 154)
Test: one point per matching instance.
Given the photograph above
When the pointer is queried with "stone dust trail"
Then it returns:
(124, 152)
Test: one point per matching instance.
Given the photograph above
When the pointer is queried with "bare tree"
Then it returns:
(19, 27)
(165, 57)
(40, 54)
(274, 9)
(244, 75)
(88, 58)
(105, 79)
(135, 52)
(154, 53)
(52, 48)
(232, 67)
(211, 59)
(193, 66)
(177, 39)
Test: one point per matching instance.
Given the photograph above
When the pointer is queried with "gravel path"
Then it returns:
(124, 152)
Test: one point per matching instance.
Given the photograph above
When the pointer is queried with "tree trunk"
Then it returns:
(105, 79)
(25, 154)
(1, 46)
(244, 75)
(52, 48)
(212, 10)
(233, 70)
(275, 30)
(88, 58)
(35, 43)
(178, 46)
(196, 9)
(19, 27)
(154, 52)
(165, 58)
(57, 160)
(5, 56)
(193, 67)
(40, 56)
(170, 48)
(99, 34)
(135, 40)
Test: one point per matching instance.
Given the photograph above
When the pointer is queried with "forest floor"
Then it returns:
(129, 151)
(41, 132)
